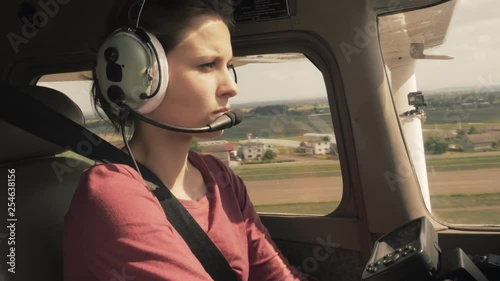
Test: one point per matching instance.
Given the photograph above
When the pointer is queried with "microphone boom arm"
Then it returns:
(226, 121)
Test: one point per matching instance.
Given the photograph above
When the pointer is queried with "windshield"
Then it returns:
(447, 94)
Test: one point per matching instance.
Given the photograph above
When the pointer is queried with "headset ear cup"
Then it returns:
(127, 70)
(160, 76)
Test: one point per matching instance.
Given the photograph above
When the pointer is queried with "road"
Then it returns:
(279, 142)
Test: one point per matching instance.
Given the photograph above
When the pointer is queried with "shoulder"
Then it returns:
(212, 164)
(101, 173)
(110, 169)
(111, 197)
(113, 207)
(104, 182)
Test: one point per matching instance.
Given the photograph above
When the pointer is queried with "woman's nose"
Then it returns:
(228, 85)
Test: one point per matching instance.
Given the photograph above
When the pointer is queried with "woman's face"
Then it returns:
(200, 83)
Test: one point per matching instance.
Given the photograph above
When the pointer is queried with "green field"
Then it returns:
(287, 172)
(452, 119)
(466, 200)
(488, 217)
(285, 126)
(477, 208)
(333, 169)
(454, 201)
(300, 208)
(466, 163)
(459, 208)
(448, 116)
(279, 126)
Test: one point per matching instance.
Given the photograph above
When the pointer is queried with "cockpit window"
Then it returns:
(443, 67)
(77, 86)
(285, 149)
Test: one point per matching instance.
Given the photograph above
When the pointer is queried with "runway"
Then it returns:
(295, 190)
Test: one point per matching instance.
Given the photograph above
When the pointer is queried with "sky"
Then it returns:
(473, 39)
(279, 81)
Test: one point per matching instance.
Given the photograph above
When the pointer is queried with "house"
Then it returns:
(444, 134)
(314, 147)
(252, 149)
(220, 150)
(479, 141)
(495, 133)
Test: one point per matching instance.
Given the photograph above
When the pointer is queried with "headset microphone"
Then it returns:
(226, 121)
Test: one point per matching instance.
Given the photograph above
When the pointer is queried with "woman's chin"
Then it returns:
(209, 135)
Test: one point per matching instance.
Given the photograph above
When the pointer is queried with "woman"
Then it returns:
(116, 229)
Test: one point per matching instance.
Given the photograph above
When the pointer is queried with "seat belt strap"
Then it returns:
(54, 127)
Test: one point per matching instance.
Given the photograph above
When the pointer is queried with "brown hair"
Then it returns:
(166, 19)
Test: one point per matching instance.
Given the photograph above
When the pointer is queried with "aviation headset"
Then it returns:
(132, 69)
(132, 74)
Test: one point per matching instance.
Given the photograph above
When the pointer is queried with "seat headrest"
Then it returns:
(18, 144)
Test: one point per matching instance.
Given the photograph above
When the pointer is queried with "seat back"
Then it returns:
(44, 185)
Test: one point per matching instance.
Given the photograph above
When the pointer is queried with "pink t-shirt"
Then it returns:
(116, 230)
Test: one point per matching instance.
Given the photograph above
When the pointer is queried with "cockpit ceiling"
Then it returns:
(428, 26)
(268, 58)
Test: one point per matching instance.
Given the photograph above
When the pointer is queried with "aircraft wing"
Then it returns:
(407, 35)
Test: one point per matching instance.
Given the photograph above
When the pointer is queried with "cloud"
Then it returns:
(473, 41)
(278, 81)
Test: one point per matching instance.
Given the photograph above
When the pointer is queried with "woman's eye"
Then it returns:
(209, 65)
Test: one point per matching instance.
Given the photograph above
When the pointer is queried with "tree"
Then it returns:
(491, 99)
(435, 145)
(269, 155)
(276, 109)
(472, 130)
(195, 146)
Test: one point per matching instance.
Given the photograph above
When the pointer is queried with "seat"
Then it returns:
(44, 185)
